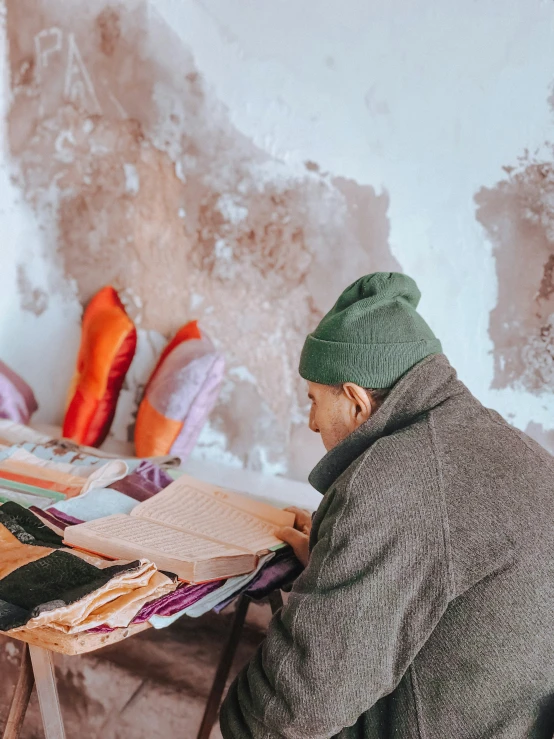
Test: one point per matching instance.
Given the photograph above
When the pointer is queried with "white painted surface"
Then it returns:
(426, 100)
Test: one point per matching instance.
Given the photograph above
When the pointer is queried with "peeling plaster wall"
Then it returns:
(241, 162)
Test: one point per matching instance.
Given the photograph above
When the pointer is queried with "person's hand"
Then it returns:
(302, 519)
(299, 536)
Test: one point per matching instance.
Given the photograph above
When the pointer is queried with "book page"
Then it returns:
(148, 536)
(243, 502)
(258, 508)
(187, 506)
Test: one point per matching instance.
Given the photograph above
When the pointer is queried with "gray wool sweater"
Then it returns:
(427, 607)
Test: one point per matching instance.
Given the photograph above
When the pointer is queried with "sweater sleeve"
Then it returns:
(375, 587)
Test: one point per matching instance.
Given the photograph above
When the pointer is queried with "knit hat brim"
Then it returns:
(377, 366)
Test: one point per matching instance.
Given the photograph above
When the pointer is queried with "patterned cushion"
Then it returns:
(179, 396)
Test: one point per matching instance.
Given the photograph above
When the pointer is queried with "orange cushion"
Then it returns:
(155, 434)
(108, 344)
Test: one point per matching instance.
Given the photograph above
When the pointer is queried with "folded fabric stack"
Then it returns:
(43, 584)
(29, 479)
(47, 485)
(63, 450)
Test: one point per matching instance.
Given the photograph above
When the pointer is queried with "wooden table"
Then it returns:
(37, 668)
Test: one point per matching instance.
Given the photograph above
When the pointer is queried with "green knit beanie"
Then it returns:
(372, 336)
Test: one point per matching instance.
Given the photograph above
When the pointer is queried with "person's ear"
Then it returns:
(361, 407)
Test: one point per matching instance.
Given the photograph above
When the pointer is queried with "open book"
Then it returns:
(191, 528)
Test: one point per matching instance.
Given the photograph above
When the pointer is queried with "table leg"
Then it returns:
(223, 669)
(21, 696)
(47, 690)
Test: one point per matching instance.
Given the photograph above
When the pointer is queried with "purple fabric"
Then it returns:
(277, 574)
(154, 474)
(147, 480)
(50, 517)
(275, 577)
(64, 518)
(17, 402)
(174, 602)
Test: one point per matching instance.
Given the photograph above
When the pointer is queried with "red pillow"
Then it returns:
(108, 344)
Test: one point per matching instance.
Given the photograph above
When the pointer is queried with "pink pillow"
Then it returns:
(17, 401)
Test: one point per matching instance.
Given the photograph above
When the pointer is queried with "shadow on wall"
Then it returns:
(518, 215)
(140, 180)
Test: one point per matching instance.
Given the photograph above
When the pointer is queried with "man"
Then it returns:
(426, 605)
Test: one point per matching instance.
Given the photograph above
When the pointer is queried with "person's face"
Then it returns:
(335, 414)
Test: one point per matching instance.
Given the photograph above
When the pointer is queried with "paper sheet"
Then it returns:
(147, 536)
(191, 508)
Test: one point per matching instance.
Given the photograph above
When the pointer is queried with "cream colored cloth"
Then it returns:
(115, 604)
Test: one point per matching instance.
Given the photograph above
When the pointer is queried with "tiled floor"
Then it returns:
(153, 686)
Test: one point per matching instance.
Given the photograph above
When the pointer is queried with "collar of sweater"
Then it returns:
(424, 387)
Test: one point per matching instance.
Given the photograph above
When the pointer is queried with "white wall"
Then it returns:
(426, 102)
